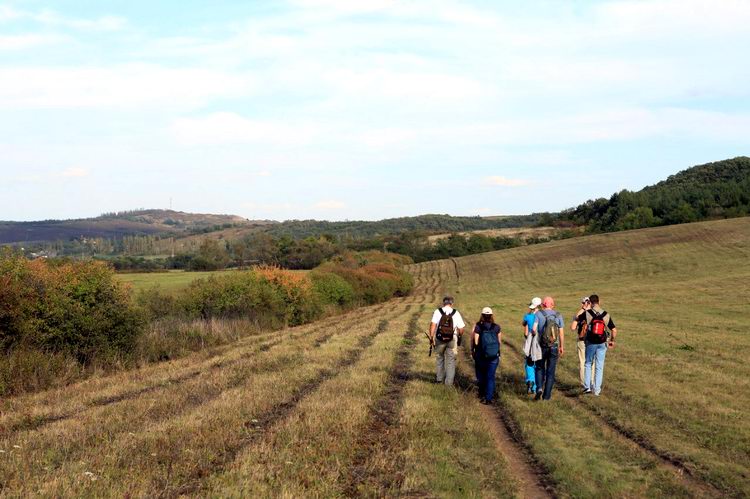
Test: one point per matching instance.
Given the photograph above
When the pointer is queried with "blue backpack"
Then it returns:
(489, 347)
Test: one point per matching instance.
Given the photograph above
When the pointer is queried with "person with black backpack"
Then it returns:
(446, 329)
(549, 326)
(485, 350)
(600, 336)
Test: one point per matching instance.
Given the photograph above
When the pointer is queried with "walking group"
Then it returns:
(544, 344)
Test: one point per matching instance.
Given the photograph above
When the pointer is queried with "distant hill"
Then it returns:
(118, 225)
(704, 192)
(429, 224)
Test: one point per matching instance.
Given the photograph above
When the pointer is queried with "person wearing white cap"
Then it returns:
(485, 349)
(446, 327)
(531, 347)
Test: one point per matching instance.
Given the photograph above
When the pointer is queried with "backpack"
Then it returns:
(551, 332)
(445, 327)
(489, 347)
(596, 333)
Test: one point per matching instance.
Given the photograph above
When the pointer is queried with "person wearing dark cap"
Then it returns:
(446, 327)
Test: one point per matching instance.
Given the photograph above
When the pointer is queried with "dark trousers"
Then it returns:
(544, 369)
(485, 369)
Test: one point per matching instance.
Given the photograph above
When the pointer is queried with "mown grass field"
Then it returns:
(347, 407)
(169, 282)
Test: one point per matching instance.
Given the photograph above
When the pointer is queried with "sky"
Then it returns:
(367, 109)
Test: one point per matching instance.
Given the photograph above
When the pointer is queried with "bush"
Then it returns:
(78, 308)
(332, 288)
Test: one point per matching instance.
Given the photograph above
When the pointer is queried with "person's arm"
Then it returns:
(574, 324)
(526, 330)
(562, 336)
(474, 342)
(433, 327)
(613, 330)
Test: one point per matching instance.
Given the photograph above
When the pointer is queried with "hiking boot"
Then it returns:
(538, 395)
(587, 391)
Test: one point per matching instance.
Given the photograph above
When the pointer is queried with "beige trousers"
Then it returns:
(445, 360)
(582, 363)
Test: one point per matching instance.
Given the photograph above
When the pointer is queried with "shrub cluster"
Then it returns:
(77, 308)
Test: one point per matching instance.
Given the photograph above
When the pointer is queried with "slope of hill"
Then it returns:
(117, 225)
(248, 421)
(711, 191)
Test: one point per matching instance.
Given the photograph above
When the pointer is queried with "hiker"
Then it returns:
(549, 327)
(581, 343)
(446, 328)
(600, 336)
(531, 348)
(485, 350)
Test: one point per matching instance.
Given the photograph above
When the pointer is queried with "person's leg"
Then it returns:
(581, 347)
(440, 361)
(528, 366)
(588, 381)
(539, 375)
(490, 379)
(601, 355)
(450, 362)
(549, 378)
(480, 367)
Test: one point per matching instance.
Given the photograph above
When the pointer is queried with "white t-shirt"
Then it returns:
(458, 321)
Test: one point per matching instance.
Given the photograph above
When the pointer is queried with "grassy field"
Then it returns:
(347, 407)
(169, 282)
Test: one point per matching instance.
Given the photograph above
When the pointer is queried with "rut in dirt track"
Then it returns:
(672, 463)
(379, 437)
(274, 417)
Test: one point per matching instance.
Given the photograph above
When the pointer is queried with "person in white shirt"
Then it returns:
(446, 327)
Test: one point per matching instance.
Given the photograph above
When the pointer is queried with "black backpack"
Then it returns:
(489, 347)
(445, 327)
(551, 332)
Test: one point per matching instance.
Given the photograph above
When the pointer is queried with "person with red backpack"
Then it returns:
(485, 350)
(446, 328)
(600, 336)
(549, 326)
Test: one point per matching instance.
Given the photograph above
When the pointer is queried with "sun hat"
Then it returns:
(548, 302)
(486, 311)
(448, 300)
(535, 302)
(584, 299)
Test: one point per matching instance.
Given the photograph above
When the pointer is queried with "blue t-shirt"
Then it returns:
(529, 319)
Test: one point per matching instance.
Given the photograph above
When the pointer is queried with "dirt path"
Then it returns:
(533, 479)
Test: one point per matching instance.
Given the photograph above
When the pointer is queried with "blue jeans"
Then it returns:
(598, 352)
(486, 369)
(545, 371)
(530, 374)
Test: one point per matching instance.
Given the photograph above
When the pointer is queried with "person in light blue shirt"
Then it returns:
(529, 344)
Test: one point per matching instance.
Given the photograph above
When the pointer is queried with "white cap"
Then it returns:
(535, 302)
(486, 311)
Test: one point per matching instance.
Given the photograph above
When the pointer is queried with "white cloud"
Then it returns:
(50, 17)
(330, 205)
(231, 128)
(501, 181)
(25, 41)
(74, 172)
(125, 86)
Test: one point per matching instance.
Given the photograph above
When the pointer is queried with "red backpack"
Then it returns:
(597, 330)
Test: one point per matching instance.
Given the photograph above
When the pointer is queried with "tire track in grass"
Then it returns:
(627, 436)
(379, 434)
(26, 423)
(534, 477)
(276, 415)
